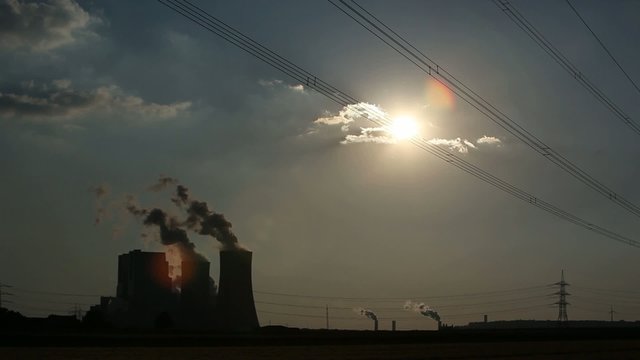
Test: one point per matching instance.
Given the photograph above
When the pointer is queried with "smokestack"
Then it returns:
(393, 325)
(486, 318)
(236, 308)
(375, 325)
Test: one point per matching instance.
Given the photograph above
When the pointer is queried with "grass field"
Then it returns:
(603, 349)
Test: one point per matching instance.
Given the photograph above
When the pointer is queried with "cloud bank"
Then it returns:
(60, 100)
(42, 26)
(351, 113)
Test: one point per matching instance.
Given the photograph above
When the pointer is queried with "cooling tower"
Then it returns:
(236, 309)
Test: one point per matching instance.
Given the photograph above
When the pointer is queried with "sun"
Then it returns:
(404, 128)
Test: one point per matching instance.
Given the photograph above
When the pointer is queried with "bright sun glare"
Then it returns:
(404, 128)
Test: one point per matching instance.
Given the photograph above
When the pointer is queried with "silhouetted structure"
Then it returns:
(236, 308)
(562, 300)
(144, 290)
(148, 298)
(197, 297)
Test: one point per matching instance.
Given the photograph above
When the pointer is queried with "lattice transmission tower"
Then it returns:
(562, 299)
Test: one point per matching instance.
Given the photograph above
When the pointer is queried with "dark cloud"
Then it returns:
(41, 26)
(60, 100)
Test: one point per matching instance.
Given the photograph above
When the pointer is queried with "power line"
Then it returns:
(400, 308)
(603, 46)
(626, 293)
(404, 298)
(219, 28)
(28, 291)
(403, 47)
(512, 13)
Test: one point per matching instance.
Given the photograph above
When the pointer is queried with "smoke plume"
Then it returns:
(366, 312)
(205, 221)
(100, 192)
(132, 206)
(199, 218)
(423, 309)
(162, 183)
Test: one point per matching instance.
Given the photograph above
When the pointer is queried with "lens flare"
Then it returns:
(404, 128)
(439, 96)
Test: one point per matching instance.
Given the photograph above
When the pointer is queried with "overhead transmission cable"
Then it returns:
(219, 28)
(424, 297)
(604, 47)
(512, 13)
(403, 47)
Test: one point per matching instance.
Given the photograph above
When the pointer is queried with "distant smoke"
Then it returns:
(205, 221)
(100, 192)
(366, 312)
(162, 183)
(170, 232)
(182, 196)
(200, 218)
(132, 206)
(423, 309)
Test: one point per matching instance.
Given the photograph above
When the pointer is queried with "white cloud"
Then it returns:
(489, 140)
(276, 83)
(60, 100)
(269, 83)
(42, 26)
(376, 135)
(459, 145)
(351, 113)
(297, 88)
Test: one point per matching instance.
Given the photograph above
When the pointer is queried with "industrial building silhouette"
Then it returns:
(147, 297)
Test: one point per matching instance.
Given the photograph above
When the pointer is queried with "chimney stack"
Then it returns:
(393, 325)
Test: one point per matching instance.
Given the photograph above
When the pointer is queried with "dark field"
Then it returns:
(605, 349)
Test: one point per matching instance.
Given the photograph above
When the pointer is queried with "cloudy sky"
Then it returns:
(97, 93)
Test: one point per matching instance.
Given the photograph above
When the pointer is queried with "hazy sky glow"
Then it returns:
(333, 205)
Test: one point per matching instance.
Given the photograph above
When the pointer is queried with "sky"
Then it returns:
(96, 93)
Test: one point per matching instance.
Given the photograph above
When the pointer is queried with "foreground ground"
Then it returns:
(603, 349)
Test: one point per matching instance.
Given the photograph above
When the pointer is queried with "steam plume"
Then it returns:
(423, 309)
(366, 312)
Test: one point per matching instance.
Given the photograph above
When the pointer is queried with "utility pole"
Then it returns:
(327, 315)
(611, 312)
(562, 299)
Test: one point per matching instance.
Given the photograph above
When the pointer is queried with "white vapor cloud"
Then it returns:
(42, 26)
(60, 100)
(489, 140)
(299, 88)
(351, 113)
(376, 135)
(457, 144)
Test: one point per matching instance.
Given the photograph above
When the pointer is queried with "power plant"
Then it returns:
(147, 297)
